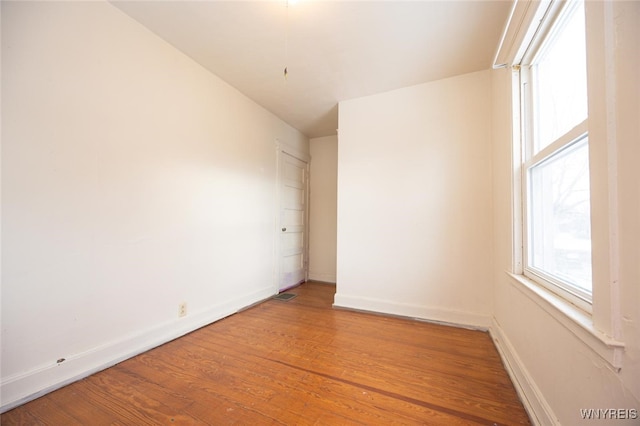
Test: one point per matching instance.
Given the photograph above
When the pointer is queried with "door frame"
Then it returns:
(282, 149)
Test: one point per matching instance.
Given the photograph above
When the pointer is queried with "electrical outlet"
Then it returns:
(182, 309)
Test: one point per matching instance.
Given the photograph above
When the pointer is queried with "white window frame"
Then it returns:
(551, 23)
(601, 328)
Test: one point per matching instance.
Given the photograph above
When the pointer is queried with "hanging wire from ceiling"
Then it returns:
(286, 41)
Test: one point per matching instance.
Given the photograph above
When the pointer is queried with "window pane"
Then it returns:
(560, 234)
(561, 82)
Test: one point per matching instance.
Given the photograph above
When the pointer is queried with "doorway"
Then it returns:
(293, 215)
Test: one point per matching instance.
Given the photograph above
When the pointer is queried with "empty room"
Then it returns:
(320, 212)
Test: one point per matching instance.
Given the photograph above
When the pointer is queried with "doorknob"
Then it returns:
(284, 229)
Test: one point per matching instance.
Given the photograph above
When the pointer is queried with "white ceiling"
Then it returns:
(334, 50)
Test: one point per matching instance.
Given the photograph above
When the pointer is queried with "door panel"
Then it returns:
(294, 217)
(292, 241)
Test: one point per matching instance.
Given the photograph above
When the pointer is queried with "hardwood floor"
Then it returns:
(296, 362)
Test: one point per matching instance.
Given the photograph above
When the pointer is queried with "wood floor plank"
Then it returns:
(296, 362)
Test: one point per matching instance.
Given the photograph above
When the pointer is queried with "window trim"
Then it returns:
(575, 320)
(605, 323)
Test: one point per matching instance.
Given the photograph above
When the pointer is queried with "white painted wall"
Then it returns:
(133, 180)
(414, 201)
(323, 206)
(558, 371)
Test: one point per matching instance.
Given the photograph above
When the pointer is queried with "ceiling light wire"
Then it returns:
(286, 42)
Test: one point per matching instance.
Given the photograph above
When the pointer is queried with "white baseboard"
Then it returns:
(458, 318)
(320, 276)
(19, 389)
(534, 402)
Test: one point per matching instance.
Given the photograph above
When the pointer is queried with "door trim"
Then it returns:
(282, 148)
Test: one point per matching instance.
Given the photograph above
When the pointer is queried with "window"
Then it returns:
(565, 161)
(556, 191)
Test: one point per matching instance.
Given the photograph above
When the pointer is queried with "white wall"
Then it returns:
(323, 206)
(133, 180)
(554, 363)
(414, 201)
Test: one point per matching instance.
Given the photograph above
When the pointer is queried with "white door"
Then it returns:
(293, 221)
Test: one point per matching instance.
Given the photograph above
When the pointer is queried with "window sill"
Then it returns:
(572, 318)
